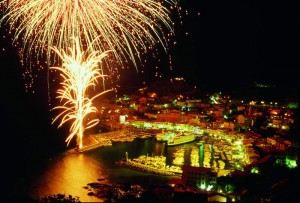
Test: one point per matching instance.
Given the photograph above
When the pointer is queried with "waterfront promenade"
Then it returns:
(94, 141)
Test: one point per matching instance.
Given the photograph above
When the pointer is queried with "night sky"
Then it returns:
(236, 42)
(233, 43)
(230, 43)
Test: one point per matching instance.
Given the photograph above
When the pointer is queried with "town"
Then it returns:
(249, 147)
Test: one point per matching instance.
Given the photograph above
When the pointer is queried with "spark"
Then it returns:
(79, 71)
(129, 28)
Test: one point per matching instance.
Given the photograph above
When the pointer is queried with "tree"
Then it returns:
(60, 198)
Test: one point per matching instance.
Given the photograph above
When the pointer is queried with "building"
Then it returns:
(279, 143)
(199, 177)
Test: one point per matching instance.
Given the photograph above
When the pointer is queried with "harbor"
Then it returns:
(154, 165)
(181, 138)
(219, 150)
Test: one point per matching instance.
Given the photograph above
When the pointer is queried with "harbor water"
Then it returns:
(69, 173)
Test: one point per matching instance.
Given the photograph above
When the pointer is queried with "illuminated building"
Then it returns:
(199, 177)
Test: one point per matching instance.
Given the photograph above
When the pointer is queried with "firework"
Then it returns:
(79, 71)
(126, 27)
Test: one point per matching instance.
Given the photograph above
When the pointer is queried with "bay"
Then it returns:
(69, 173)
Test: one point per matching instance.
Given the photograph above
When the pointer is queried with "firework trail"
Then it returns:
(128, 28)
(80, 71)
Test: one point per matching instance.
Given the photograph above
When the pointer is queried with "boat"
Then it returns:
(181, 138)
(154, 165)
(164, 136)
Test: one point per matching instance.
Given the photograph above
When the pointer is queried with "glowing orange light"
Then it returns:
(79, 71)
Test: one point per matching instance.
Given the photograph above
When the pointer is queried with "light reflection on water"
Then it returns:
(68, 174)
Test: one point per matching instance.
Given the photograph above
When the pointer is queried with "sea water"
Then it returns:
(69, 173)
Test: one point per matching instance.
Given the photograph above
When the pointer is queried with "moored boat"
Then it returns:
(181, 138)
(164, 135)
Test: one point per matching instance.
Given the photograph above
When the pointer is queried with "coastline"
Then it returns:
(106, 139)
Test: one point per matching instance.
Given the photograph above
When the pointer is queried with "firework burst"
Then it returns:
(79, 71)
(126, 27)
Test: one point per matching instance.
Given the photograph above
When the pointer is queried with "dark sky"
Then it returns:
(230, 43)
(233, 42)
